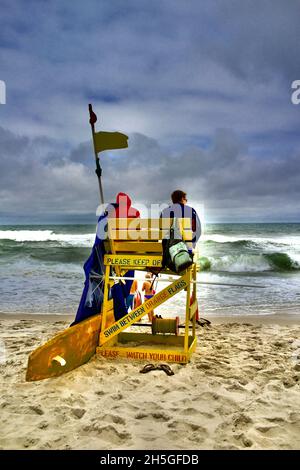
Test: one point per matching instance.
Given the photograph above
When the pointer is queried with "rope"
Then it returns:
(196, 282)
(165, 325)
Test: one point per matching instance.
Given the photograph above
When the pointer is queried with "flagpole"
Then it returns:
(98, 171)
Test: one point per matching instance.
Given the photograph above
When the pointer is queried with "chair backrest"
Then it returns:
(143, 235)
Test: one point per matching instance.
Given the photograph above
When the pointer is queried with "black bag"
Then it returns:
(176, 256)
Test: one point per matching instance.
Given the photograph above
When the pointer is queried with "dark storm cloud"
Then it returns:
(176, 72)
(223, 176)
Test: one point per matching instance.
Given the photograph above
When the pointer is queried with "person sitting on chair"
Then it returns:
(180, 209)
(122, 208)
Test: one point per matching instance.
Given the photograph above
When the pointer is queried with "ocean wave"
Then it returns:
(66, 254)
(50, 252)
(87, 239)
(243, 263)
(234, 244)
(230, 254)
(283, 261)
(21, 236)
(293, 240)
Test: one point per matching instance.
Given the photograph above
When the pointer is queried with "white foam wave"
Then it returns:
(293, 241)
(83, 240)
(87, 239)
(295, 258)
(241, 263)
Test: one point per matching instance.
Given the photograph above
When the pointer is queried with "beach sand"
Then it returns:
(240, 391)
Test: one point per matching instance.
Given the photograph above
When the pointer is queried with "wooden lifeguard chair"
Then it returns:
(136, 244)
(132, 244)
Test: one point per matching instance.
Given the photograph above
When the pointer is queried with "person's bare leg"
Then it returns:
(150, 316)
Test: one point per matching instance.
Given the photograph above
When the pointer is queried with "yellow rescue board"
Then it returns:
(64, 352)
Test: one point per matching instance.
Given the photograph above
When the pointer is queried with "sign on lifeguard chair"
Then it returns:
(137, 244)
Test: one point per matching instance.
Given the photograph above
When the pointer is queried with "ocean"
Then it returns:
(41, 269)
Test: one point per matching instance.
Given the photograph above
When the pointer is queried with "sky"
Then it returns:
(202, 89)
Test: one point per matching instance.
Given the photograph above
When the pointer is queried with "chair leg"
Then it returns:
(105, 297)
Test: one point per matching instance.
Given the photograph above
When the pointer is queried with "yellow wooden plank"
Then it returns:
(163, 223)
(192, 347)
(123, 246)
(133, 261)
(110, 304)
(187, 311)
(110, 317)
(105, 298)
(75, 345)
(137, 246)
(144, 354)
(194, 295)
(146, 234)
(136, 234)
(187, 235)
(121, 223)
(147, 337)
(148, 306)
(112, 248)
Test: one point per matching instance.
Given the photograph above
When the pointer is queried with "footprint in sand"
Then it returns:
(204, 366)
(193, 412)
(265, 429)
(189, 411)
(294, 417)
(290, 381)
(133, 381)
(116, 419)
(43, 425)
(235, 386)
(117, 396)
(241, 420)
(30, 442)
(78, 412)
(127, 406)
(36, 409)
(245, 441)
(108, 433)
(75, 400)
(194, 432)
(276, 419)
(157, 416)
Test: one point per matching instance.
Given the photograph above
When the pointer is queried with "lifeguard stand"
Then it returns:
(137, 244)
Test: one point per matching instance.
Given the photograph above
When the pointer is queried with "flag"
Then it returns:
(93, 117)
(109, 141)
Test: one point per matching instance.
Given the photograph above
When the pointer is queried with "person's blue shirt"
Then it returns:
(180, 210)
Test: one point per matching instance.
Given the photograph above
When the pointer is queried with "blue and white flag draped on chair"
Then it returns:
(92, 295)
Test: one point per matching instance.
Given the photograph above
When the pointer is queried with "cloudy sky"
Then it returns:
(202, 89)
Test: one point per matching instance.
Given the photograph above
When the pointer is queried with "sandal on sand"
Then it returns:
(147, 368)
(203, 322)
(166, 368)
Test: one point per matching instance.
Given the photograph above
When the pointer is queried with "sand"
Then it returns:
(240, 391)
